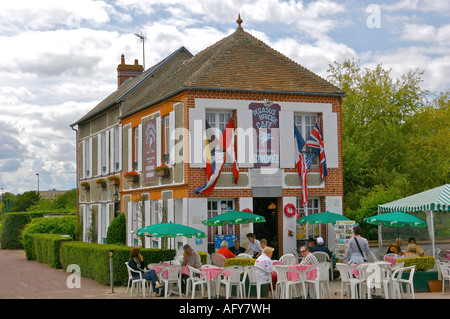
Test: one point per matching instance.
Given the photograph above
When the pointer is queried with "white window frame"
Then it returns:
(87, 157)
(306, 129)
(115, 157)
(313, 208)
(167, 129)
(214, 208)
(214, 121)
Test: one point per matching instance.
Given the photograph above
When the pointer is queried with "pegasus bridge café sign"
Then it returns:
(267, 138)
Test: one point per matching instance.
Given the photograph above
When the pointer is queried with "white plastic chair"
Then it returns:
(378, 278)
(234, 279)
(218, 260)
(324, 279)
(197, 278)
(288, 259)
(399, 281)
(322, 256)
(138, 282)
(444, 268)
(249, 272)
(314, 282)
(284, 286)
(347, 279)
(173, 276)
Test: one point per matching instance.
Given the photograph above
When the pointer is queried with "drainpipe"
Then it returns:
(77, 176)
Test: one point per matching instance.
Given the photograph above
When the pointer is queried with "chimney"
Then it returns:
(126, 71)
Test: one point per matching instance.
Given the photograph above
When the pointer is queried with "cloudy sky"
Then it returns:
(58, 58)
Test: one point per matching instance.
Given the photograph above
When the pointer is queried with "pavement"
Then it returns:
(24, 279)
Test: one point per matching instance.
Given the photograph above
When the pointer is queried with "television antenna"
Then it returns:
(142, 39)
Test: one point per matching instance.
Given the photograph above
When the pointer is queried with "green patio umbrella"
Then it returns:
(234, 217)
(170, 230)
(396, 219)
(321, 218)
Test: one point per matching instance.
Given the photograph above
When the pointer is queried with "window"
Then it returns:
(313, 208)
(217, 120)
(305, 124)
(115, 148)
(216, 207)
(136, 157)
(166, 123)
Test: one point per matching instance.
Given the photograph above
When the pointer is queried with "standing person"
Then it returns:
(237, 249)
(254, 246)
(136, 263)
(224, 250)
(357, 247)
(307, 257)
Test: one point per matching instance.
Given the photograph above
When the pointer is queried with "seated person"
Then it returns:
(224, 250)
(237, 249)
(191, 258)
(411, 250)
(136, 263)
(264, 262)
(320, 247)
(308, 257)
(419, 249)
(395, 248)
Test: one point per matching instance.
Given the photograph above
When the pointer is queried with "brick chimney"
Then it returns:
(126, 71)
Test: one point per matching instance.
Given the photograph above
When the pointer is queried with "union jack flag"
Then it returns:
(315, 142)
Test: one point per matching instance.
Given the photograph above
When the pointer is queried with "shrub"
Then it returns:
(54, 225)
(13, 224)
(203, 257)
(117, 231)
(422, 263)
(45, 248)
(93, 259)
(240, 262)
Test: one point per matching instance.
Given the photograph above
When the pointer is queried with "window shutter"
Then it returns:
(330, 139)
(139, 146)
(172, 138)
(83, 160)
(107, 147)
(196, 137)
(129, 224)
(158, 141)
(90, 158)
(119, 145)
(112, 146)
(287, 143)
(245, 139)
(130, 149)
(99, 154)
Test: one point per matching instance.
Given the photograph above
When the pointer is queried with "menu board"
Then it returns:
(343, 233)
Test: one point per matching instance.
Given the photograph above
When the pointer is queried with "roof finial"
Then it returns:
(239, 21)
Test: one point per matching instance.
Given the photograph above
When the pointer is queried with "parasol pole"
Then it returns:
(380, 236)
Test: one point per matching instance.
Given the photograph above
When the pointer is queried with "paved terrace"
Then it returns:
(23, 279)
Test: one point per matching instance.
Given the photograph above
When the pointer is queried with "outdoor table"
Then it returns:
(212, 273)
(157, 269)
(312, 275)
(277, 263)
(390, 259)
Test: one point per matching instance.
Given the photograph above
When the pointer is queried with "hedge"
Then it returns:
(240, 262)
(13, 223)
(93, 259)
(45, 248)
(422, 263)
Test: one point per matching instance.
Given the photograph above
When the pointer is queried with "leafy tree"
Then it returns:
(25, 200)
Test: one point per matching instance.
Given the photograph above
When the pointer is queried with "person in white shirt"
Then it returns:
(254, 246)
(264, 262)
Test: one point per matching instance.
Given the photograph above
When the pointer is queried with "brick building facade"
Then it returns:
(162, 117)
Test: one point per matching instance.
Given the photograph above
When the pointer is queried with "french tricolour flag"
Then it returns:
(217, 161)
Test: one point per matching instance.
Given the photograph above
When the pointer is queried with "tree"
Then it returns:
(393, 134)
(25, 200)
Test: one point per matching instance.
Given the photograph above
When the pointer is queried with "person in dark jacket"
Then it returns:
(136, 263)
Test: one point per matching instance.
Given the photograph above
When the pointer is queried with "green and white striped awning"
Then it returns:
(434, 199)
